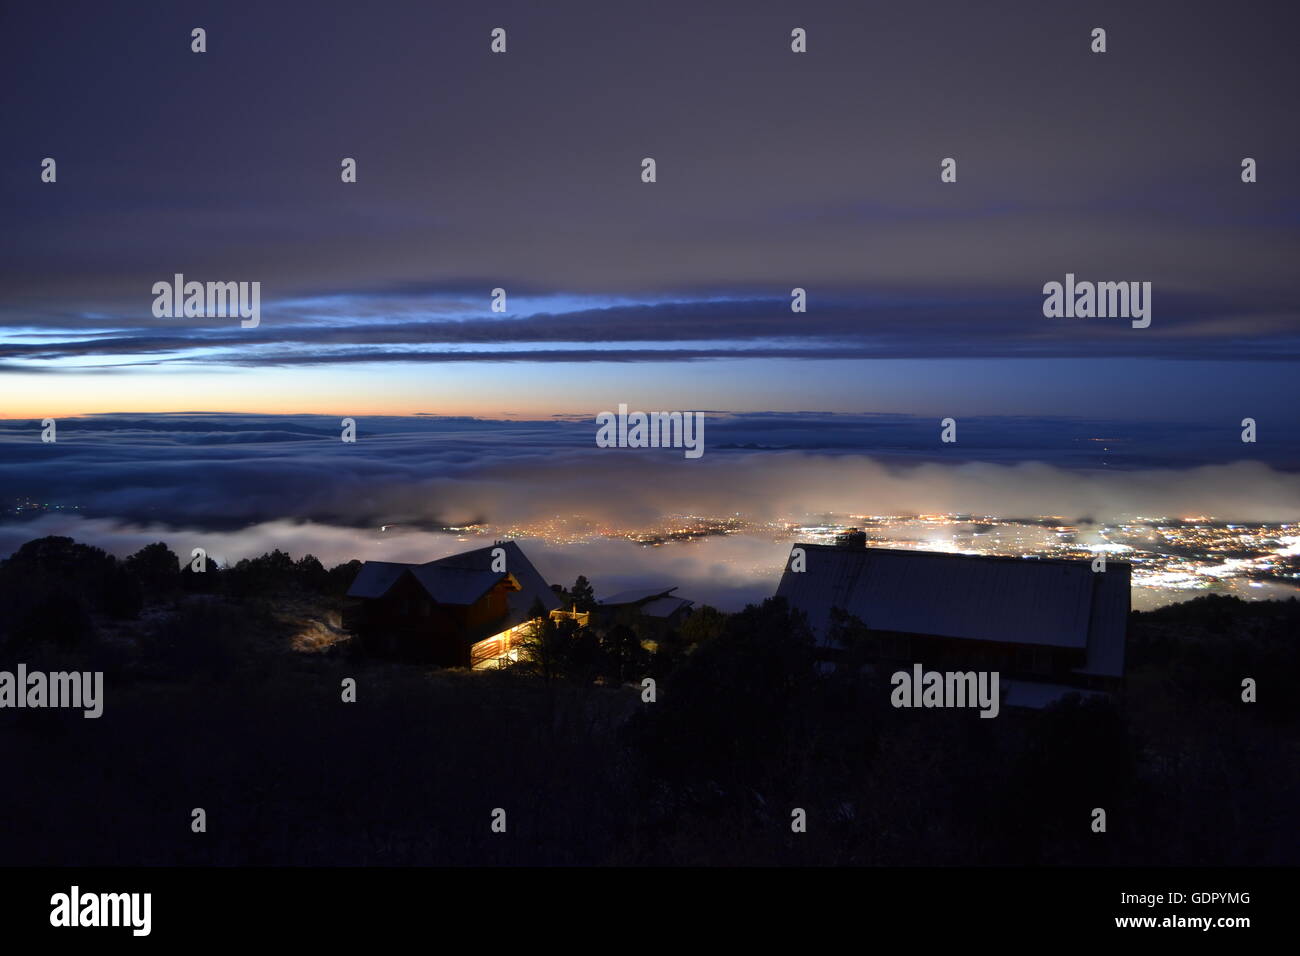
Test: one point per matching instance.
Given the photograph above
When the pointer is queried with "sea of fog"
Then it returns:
(240, 485)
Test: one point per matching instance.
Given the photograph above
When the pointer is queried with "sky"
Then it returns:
(775, 170)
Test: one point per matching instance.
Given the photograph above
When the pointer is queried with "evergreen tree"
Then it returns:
(582, 595)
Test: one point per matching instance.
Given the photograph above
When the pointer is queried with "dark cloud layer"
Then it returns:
(907, 324)
(775, 170)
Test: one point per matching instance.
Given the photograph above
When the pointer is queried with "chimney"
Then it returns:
(852, 538)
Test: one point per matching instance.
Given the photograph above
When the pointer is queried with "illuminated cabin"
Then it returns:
(1049, 627)
(452, 612)
(501, 650)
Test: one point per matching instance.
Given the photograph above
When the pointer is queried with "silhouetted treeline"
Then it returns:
(52, 589)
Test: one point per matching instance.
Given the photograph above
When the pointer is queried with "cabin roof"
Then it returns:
(664, 606)
(637, 595)
(462, 579)
(375, 578)
(532, 586)
(1055, 603)
(456, 585)
(445, 585)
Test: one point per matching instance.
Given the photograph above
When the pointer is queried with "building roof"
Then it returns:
(463, 579)
(444, 585)
(376, 577)
(636, 596)
(1055, 603)
(532, 586)
(461, 586)
(664, 606)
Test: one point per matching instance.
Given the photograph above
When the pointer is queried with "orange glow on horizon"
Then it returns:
(77, 396)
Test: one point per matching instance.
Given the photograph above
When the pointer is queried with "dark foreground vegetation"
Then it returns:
(224, 691)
